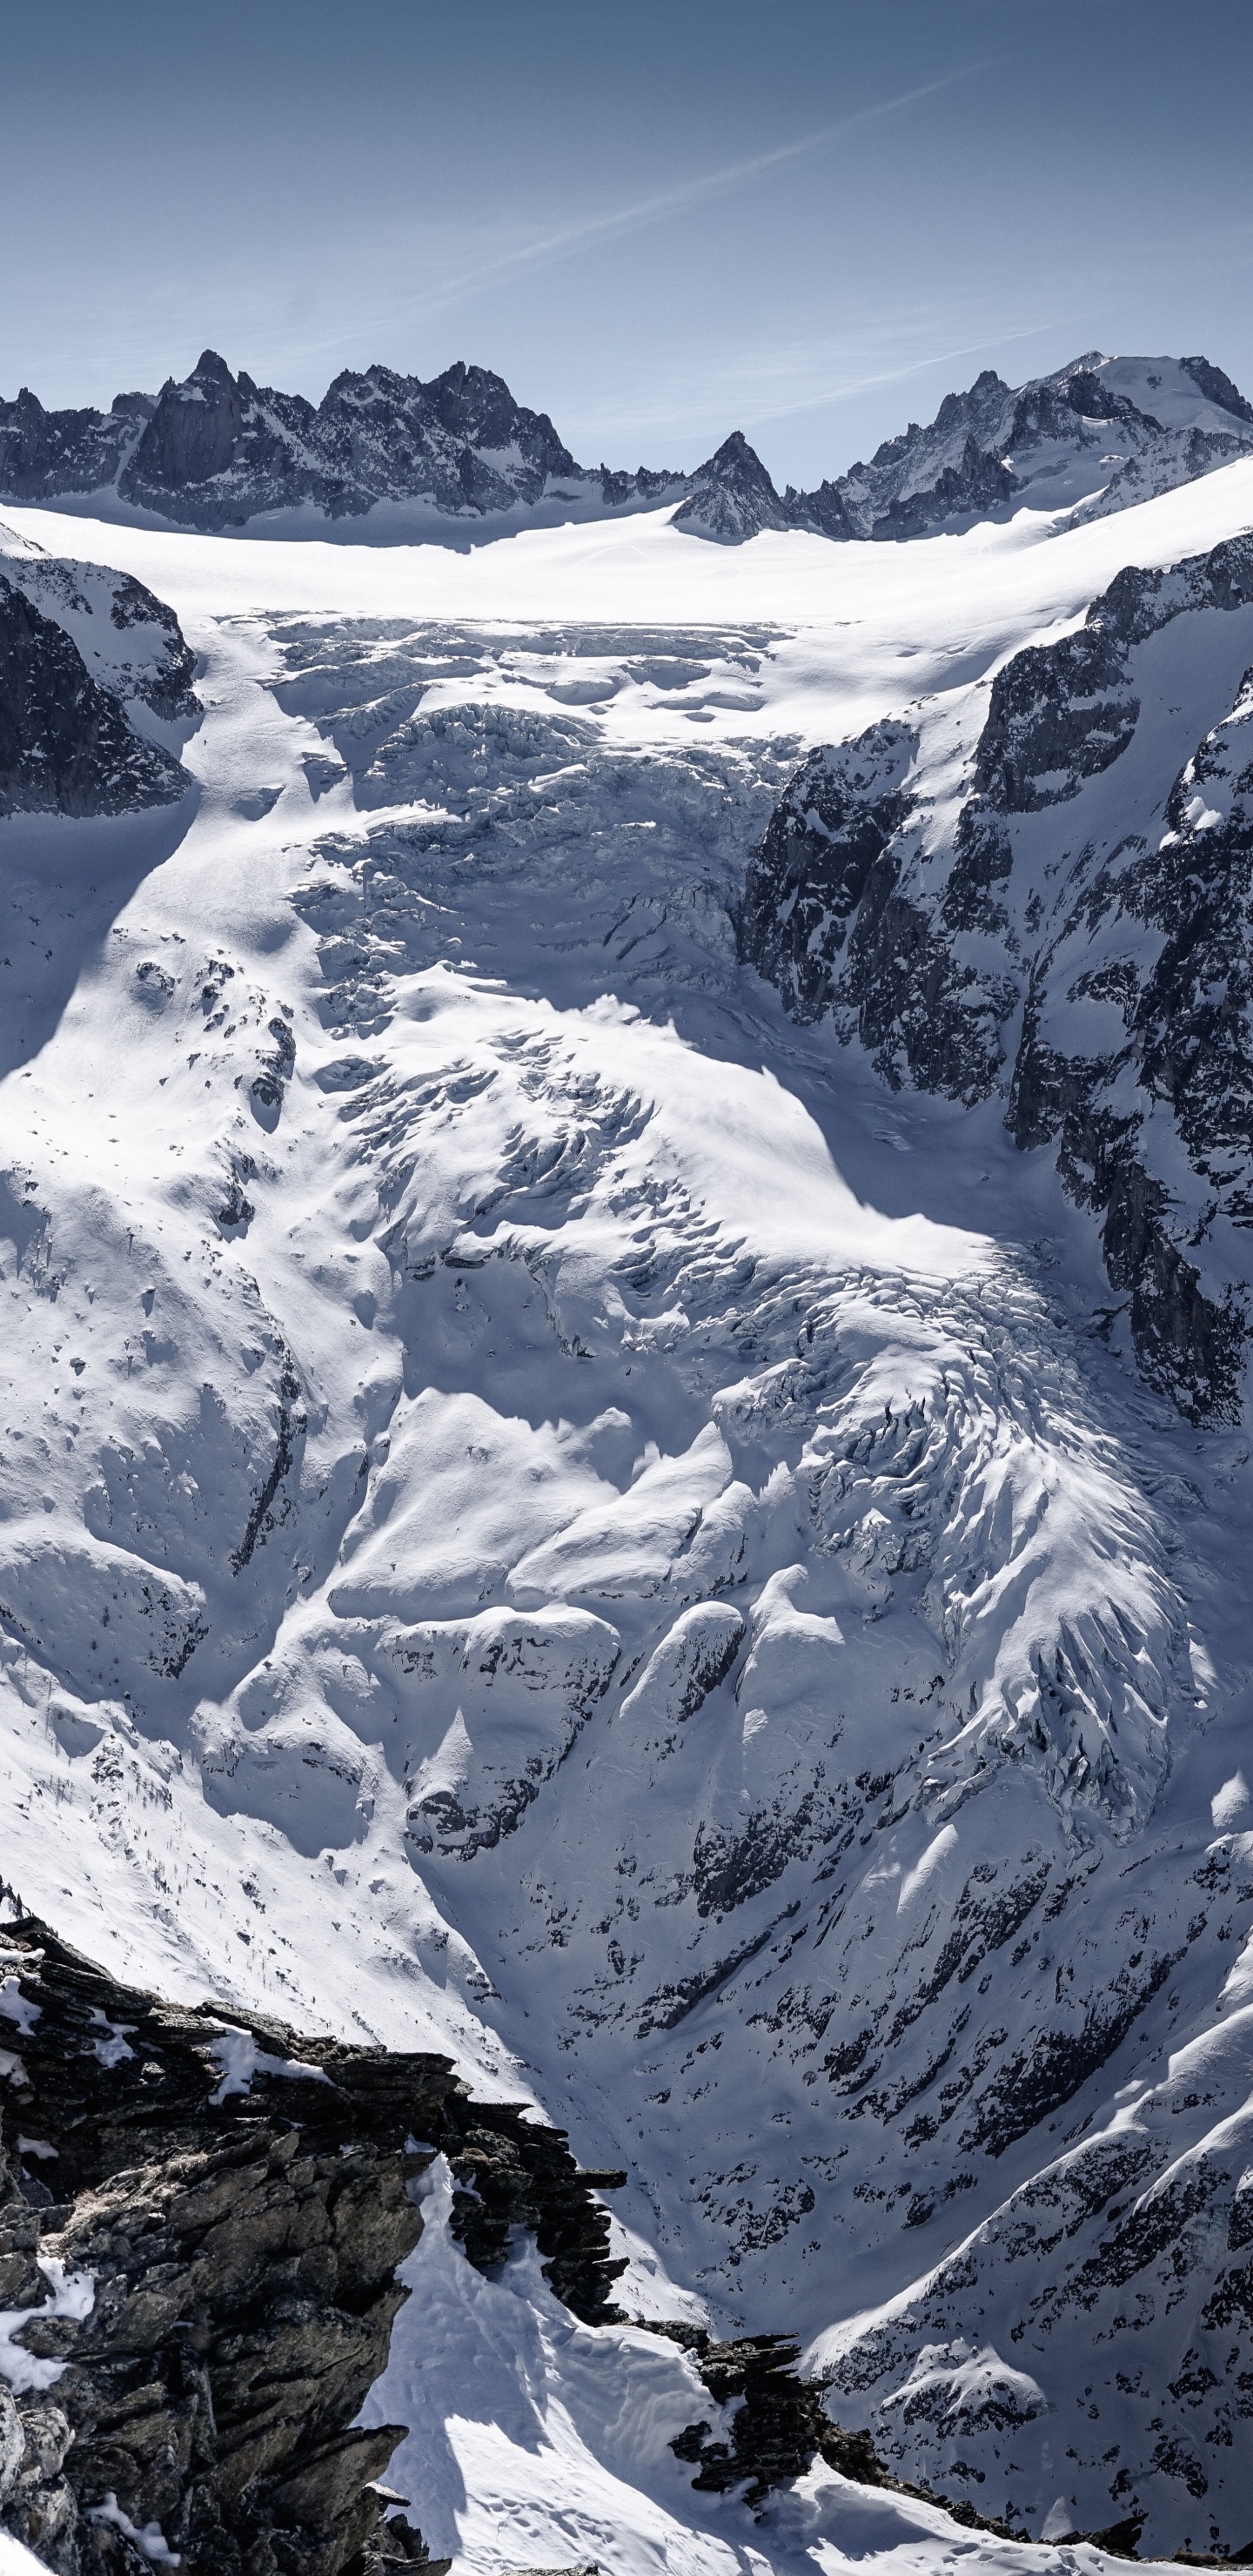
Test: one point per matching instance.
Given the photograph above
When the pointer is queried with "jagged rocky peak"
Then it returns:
(1045, 898)
(219, 448)
(475, 406)
(732, 496)
(194, 427)
(46, 453)
(1079, 438)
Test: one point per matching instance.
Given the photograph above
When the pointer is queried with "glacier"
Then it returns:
(560, 1509)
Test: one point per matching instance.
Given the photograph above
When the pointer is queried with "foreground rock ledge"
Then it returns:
(242, 2196)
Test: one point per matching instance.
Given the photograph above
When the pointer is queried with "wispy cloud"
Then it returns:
(590, 231)
(780, 381)
(850, 388)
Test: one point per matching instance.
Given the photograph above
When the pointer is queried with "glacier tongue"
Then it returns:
(547, 1513)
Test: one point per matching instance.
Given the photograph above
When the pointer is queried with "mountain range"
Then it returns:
(217, 451)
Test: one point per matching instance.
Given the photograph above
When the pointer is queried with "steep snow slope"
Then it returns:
(547, 1512)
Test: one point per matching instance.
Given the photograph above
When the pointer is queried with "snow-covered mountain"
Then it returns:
(95, 683)
(1102, 432)
(1042, 892)
(595, 1477)
(1099, 435)
(218, 451)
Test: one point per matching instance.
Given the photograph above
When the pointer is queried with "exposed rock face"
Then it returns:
(219, 448)
(780, 2425)
(130, 640)
(44, 453)
(924, 923)
(733, 496)
(807, 881)
(66, 744)
(215, 450)
(1145, 2218)
(1218, 388)
(1187, 1033)
(833, 916)
(647, 485)
(204, 2222)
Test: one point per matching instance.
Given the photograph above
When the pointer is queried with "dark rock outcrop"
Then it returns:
(66, 744)
(647, 484)
(732, 496)
(218, 2209)
(923, 928)
(976, 484)
(130, 640)
(781, 2426)
(1218, 388)
(1058, 714)
(219, 449)
(806, 881)
(164, 683)
(45, 453)
(832, 913)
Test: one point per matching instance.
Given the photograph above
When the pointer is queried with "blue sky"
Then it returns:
(660, 221)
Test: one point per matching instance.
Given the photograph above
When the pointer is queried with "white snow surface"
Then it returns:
(538, 1500)
(16, 2559)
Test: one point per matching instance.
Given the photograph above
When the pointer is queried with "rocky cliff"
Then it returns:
(88, 658)
(131, 641)
(66, 745)
(200, 2224)
(1015, 920)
